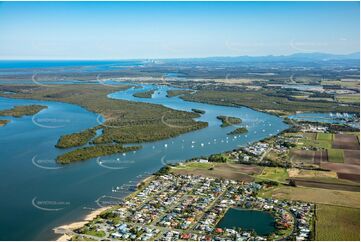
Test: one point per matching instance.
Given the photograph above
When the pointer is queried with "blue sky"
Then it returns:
(127, 30)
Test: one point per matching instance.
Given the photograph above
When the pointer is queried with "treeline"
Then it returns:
(227, 121)
(19, 111)
(93, 152)
(75, 139)
(241, 130)
(146, 94)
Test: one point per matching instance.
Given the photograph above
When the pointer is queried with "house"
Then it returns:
(203, 161)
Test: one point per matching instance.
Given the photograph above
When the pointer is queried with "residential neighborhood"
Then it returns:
(184, 207)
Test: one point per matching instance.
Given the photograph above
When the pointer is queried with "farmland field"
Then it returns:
(347, 226)
(350, 98)
(335, 155)
(315, 195)
(324, 136)
(218, 170)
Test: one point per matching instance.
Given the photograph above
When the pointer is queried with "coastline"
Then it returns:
(66, 229)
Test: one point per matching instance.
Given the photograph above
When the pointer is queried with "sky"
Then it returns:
(142, 30)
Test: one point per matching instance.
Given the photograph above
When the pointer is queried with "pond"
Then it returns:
(260, 221)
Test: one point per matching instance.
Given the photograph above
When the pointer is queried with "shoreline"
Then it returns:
(64, 230)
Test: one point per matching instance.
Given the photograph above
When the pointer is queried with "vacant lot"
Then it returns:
(315, 195)
(343, 169)
(294, 172)
(349, 98)
(337, 223)
(324, 136)
(346, 141)
(335, 155)
(302, 155)
(327, 183)
(273, 174)
(352, 157)
(219, 170)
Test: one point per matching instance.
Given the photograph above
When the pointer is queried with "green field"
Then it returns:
(273, 174)
(192, 165)
(350, 98)
(337, 223)
(324, 136)
(314, 195)
(335, 155)
(346, 84)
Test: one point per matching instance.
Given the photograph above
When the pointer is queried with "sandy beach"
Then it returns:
(66, 230)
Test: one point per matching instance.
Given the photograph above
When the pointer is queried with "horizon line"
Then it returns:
(168, 58)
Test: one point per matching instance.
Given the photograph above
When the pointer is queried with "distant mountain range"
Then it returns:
(302, 57)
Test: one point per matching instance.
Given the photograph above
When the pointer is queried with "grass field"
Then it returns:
(337, 223)
(324, 136)
(273, 174)
(315, 195)
(192, 165)
(342, 83)
(218, 170)
(350, 98)
(335, 155)
(294, 172)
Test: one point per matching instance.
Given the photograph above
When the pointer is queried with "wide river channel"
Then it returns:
(38, 195)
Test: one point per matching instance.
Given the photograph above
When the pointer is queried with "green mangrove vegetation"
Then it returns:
(92, 152)
(227, 121)
(266, 100)
(173, 93)
(126, 121)
(75, 139)
(146, 94)
(19, 111)
(198, 111)
(241, 130)
(3, 122)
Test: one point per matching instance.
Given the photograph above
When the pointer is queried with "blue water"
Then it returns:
(25, 180)
(22, 64)
(263, 223)
(332, 118)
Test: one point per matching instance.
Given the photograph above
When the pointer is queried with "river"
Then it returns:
(38, 195)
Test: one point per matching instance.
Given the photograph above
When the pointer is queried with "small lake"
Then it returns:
(259, 221)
